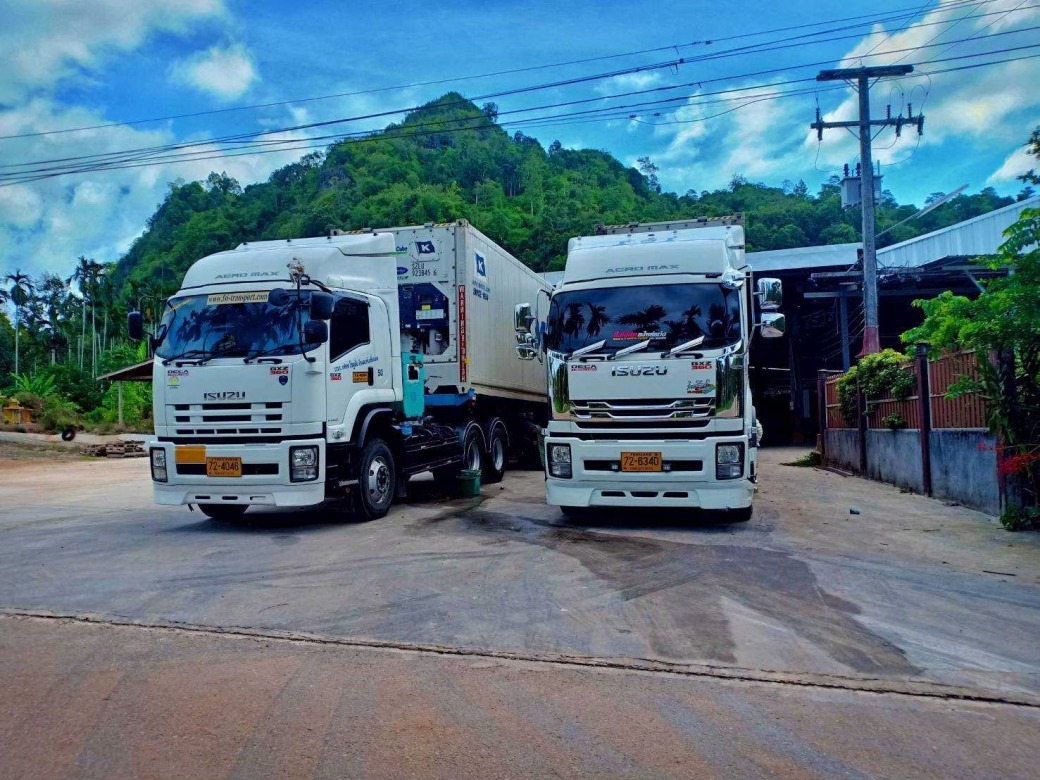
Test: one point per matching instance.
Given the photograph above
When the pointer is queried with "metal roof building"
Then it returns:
(980, 235)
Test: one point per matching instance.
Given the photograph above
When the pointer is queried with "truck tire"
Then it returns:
(472, 448)
(737, 515)
(223, 511)
(494, 467)
(377, 481)
(576, 513)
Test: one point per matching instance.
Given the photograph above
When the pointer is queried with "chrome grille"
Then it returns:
(644, 410)
(233, 418)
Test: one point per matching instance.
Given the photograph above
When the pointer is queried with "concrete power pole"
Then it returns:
(862, 77)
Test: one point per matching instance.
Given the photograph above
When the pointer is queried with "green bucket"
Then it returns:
(469, 482)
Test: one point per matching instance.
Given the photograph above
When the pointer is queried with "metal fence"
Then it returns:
(966, 412)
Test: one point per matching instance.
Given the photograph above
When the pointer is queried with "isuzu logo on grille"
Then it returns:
(639, 371)
(227, 395)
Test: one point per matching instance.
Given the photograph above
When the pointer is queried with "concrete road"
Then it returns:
(489, 637)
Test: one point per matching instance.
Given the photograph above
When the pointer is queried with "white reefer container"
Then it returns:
(459, 290)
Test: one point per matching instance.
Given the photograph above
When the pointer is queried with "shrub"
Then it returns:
(58, 413)
(882, 375)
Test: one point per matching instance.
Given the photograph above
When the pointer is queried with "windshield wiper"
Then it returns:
(631, 349)
(688, 346)
(280, 349)
(588, 349)
(188, 355)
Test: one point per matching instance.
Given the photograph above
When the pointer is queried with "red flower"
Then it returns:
(1019, 464)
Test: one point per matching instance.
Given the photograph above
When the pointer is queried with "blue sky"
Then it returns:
(68, 63)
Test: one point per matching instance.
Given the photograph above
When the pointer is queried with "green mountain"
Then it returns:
(451, 160)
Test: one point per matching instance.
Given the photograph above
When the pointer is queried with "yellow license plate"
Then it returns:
(641, 461)
(223, 467)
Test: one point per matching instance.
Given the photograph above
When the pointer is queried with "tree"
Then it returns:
(649, 170)
(1003, 321)
(20, 293)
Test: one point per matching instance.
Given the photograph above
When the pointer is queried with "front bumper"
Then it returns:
(187, 486)
(593, 484)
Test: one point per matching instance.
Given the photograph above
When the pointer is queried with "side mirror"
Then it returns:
(135, 325)
(279, 297)
(525, 352)
(522, 318)
(315, 332)
(322, 305)
(770, 294)
(774, 325)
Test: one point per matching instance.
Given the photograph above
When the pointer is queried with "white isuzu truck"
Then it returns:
(646, 345)
(291, 372)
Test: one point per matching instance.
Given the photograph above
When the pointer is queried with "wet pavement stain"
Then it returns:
(676, 590)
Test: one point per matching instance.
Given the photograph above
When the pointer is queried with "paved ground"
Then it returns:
(491, 638)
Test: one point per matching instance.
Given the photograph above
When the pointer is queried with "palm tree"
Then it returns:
(20, 293)
(81, 277)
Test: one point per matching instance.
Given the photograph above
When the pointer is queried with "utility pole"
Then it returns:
(861, 77)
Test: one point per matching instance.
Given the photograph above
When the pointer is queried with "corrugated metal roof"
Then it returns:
(980, 235)
(827, 256)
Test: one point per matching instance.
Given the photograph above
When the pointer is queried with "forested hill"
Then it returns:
(450, 160)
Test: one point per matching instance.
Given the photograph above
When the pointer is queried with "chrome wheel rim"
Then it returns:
(473, 455)
(498, 453)
(378, 480)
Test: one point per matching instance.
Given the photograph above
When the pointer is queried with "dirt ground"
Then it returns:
(491, 637)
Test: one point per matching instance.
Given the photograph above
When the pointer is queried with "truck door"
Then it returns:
(357, 357)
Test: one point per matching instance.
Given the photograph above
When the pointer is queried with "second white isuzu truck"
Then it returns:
(645, 342)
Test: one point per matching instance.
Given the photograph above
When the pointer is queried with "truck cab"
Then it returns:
(279, 380)
(645, 341)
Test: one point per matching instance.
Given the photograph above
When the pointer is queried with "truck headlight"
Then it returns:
(729, 461)
(559, 457)
(303, 464)
(158, 459)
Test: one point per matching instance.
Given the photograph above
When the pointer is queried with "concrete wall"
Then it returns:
(895, 457)
(842, 448)
(963, 471)
(964, 463)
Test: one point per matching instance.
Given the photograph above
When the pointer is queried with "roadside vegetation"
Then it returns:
(1002, 326)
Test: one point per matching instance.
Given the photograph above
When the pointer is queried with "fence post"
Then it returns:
(861, 417)
(924, 414)
(821, 391)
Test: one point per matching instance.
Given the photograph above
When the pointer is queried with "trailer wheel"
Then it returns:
(377, 481)
(472, 448)
(495, 458)
(223, 511)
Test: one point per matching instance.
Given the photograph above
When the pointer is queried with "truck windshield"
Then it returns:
(665, 314)
(230, 325)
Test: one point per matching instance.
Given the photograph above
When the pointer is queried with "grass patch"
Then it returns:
(808, 460)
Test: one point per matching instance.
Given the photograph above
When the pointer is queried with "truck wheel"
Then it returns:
(495, 458)
(377, 481)
(472, 449)
(737, 515)
(223, 511)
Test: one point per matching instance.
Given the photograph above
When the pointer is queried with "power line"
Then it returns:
(870, 20)
(116, 157)
(363, 136)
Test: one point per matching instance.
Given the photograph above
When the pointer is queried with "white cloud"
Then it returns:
(47, 224)
(628, 82)
(1017, 163)
(48, 41)
(225, 72)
